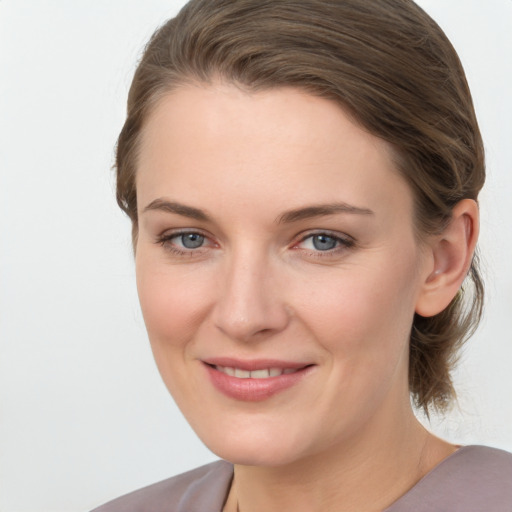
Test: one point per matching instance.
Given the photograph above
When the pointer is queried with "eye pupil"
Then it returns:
(192, 240)
(324, 242)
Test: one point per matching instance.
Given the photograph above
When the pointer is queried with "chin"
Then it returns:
(257, 446)
(255, 455)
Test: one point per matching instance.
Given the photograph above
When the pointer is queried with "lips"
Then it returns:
(254, 381)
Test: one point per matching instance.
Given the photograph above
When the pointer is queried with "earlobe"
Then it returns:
(452, 253)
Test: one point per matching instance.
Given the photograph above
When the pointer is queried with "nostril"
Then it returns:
(264, 331)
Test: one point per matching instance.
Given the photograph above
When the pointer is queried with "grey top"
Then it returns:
(473, 479)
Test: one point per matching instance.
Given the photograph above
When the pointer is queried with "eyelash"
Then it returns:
(343, 243)
(165, 241)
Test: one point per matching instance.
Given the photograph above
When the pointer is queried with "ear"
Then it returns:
(451, 254)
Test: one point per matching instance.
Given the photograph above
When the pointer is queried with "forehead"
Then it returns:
(277, 146)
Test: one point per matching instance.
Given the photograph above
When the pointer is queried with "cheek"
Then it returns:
(173, 305)
(362, 320)
(362, 312)
(173, 302)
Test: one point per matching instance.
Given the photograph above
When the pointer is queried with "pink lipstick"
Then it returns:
(255, 380)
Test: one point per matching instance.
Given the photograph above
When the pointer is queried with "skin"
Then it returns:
(344, 437)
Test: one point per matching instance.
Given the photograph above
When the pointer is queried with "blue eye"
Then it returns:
(324, 242)
(190, 240)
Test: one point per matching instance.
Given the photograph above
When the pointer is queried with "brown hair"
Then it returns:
(390, 66)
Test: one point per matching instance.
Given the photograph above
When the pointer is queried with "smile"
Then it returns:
(255, 381)
(264, 373)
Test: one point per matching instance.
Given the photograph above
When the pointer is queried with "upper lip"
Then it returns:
(254, 364)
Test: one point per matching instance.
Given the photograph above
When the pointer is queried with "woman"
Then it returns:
(302, 180)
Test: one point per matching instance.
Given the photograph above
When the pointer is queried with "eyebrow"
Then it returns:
(321, 210)
(178, 208)
(288, 217)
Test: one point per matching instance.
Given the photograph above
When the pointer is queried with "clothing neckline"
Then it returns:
(423, 482)
(427, 477)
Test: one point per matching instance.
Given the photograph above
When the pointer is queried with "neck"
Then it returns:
(368, 472)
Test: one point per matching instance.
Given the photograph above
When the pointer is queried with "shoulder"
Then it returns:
(473, 479)
(203, 489)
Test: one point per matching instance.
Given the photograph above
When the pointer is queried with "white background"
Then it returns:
(83, 414)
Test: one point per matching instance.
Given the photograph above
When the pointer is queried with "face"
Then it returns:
(277, 271)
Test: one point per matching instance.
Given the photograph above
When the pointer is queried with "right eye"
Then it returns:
(184, 242)
(188, 240)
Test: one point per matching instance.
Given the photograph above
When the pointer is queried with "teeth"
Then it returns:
(229, 371)
(255, 374)
(260, 374)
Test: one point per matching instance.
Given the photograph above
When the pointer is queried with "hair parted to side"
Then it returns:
(390, 66)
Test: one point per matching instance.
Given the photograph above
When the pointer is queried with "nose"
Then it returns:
(250, 302)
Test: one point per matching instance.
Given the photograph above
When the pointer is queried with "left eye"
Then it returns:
(321, 242)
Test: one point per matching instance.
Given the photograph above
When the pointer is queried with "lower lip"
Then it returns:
(254, 390)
